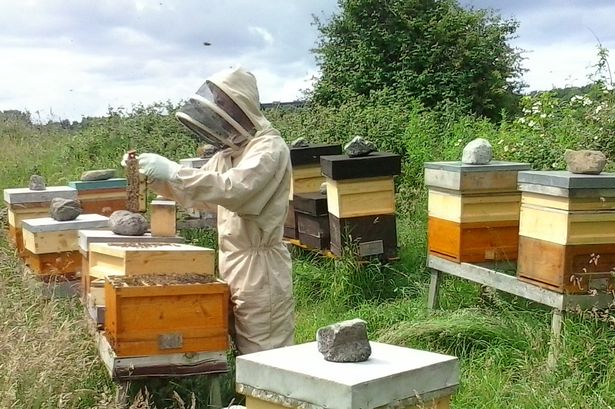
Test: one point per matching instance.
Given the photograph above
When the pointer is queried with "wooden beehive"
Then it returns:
(307, 178)
(473, 210)
(51, 247)
(361, 203)
(567, 231)
(161, 314)
(86, 237)
(163, 218)
(101, 196)
(23, 203)
(312, 220)
(108, 259)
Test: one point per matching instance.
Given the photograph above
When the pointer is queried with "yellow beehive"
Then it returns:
(361, 197)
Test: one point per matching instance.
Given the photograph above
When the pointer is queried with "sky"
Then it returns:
(65, 59)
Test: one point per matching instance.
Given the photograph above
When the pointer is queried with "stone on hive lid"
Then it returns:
(344, 341)
(358, 147)
(127, 223)
(101, 174)
(299, 143)
(37, 182)
(477, 152)
(585, 161)
(64, 209)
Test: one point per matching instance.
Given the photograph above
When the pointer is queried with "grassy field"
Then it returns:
(48, 357)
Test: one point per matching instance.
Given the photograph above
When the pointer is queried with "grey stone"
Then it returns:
(323, 188)
(64, 209)
(358, 147)
(344, 341)
(101, 174)
(206, 151)
(477, 152)
(299, 143)
(585, 161)
(127, 223)
(37, 182)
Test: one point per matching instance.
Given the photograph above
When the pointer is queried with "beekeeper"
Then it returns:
(249, 181)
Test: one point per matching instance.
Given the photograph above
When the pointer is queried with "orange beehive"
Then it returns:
(473, 210)
(101, 196)
(166, 314)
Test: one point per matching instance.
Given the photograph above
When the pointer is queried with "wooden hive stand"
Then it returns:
(23, 203)
(101, 196)
(473, 210)
(567, 231)
(51, 246)
(307, 177)
(361, 203)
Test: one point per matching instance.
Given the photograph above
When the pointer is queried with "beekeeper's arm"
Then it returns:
(232, 189)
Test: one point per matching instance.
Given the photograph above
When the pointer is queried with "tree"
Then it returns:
(431, 50)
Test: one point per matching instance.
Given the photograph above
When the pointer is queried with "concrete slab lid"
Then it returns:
(119, 249)
(567, 180)
(25, 195)
(105, 236)
(458, 166)
(84, 221)
(391, 374)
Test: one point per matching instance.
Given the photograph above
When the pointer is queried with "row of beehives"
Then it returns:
(558, 226)
(358, 210)
(150, 295)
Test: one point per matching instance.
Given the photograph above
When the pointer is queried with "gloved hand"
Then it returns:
(155, 166)
(158, 167)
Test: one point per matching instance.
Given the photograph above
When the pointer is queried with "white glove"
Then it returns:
(157, 167)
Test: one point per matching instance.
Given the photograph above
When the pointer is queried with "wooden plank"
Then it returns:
(571, 269)
(512, 285)
(108, 184)
(163, 218)
(567, 227)
(156, 366)
(473, 242)
(84, 221)
(462, 208)
(306, 178)
(376, 164)
(67, 263)
(50, 242)
(369, 235)
(310, 155)
(568, 203)
(25, 195)
(360, 197)
(193, 316)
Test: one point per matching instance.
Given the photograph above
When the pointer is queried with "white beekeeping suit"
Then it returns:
(249, 181)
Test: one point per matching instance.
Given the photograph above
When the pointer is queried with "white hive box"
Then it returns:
(299, 376)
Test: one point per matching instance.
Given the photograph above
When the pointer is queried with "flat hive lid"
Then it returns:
(494, 165)
(392, 373)
(310, 155)
(83, 221)
(120, 249)
(376, 164)
(567, 180)
(25, 195)
(113, 183)
(86, 237)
